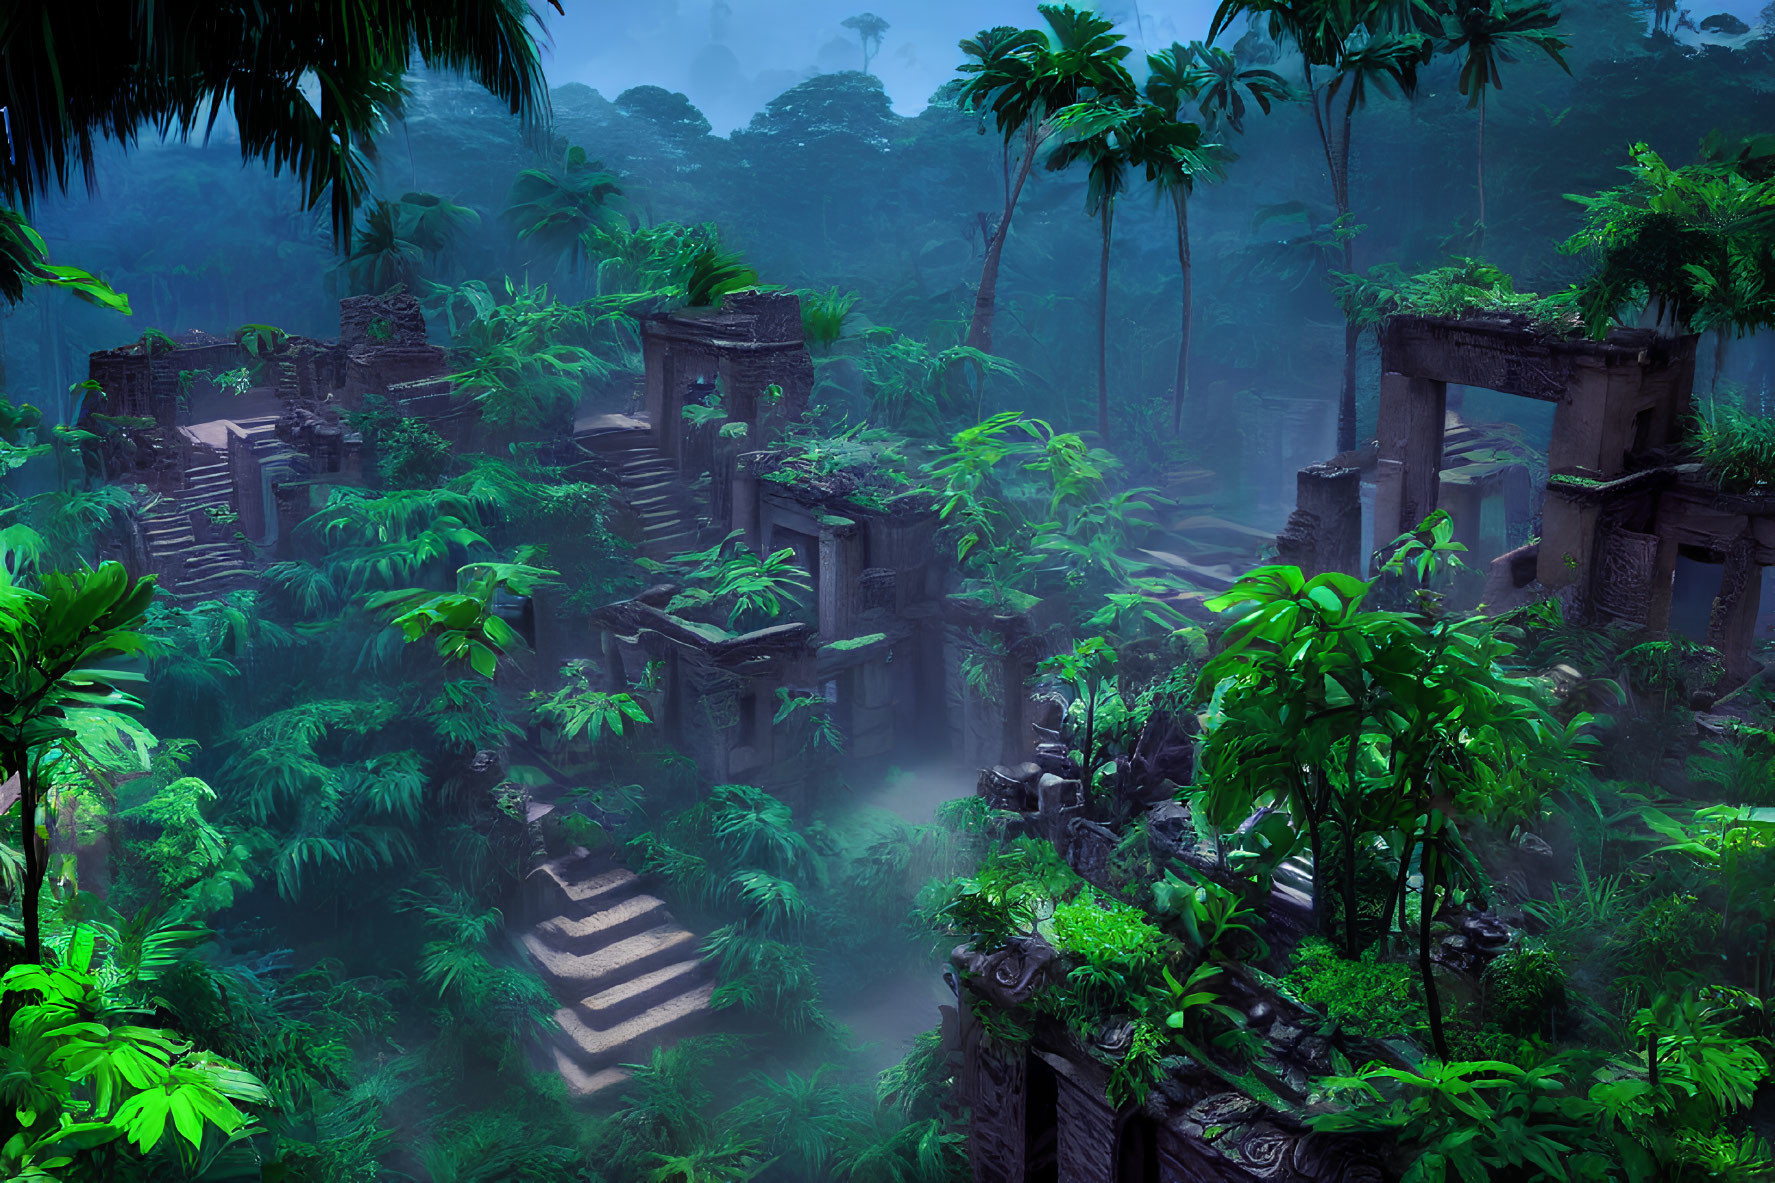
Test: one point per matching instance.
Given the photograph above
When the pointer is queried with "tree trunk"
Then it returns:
(1180, 388)
(20, 759)
(985, 297)
(1107, 214)
(1426, 913)
(1348, 826)
(1479, 231)
(1315, 840)
(1720, 341)
(1340, 191)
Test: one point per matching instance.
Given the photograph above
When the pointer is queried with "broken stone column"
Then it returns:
(1325, 532)
(1412, 413)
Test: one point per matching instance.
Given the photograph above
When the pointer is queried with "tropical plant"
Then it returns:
(56, 690)
(576, 709)
(906, 377)
(466, 622)
(380, 258)
(752, 588)
(1691, 246)
(1007, 68)
(82, 1076)
(24, 263)
(1089, 672)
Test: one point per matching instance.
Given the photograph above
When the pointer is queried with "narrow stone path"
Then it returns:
(628, 976)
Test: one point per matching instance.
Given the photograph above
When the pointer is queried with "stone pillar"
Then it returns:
(1568, 542)
(873, 709)
(654, 353)
(1519, 505)
(1412, 413)
(1333, 495)
(841, 569)
(1389, 475)
(1732, 626)
(995, 1087)
(744, 499)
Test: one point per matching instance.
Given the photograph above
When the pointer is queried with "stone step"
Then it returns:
(606, 926)
(574, 975)
(632, 1039)
(582, 1084)
(577, 879)
(608, 1008)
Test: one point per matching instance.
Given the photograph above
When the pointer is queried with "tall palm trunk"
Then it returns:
(1479, 231)
(986, 296)
(1337, 163)
(1179, 389)
(1107, 215)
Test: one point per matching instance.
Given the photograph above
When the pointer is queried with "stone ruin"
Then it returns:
(228, 473)
(1625, 530)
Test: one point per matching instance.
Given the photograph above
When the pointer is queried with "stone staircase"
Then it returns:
(190, 569)
(628, 976)
(647, 482)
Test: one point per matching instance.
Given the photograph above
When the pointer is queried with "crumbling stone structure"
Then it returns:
(752, 342)
(213, 458)
(1625, 530)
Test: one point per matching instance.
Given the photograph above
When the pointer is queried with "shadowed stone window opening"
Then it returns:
(807, 554)
(748, 733)
(1041, 1125)
(1642, 432)
(1137, 1150)
(1697, 583)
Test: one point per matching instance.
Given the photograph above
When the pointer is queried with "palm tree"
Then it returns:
(558, 209)
(380, 257)
(69, 82)
(433, 223)
(1004, 63)
(1106, 151)
(1347, 48)
(868, 28)
(1215, 81)
(1082, 78)
(1489, 33)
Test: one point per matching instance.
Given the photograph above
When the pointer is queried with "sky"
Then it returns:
(733, 56)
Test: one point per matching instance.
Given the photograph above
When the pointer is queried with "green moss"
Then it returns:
(850, 643)
(1101, 931)
(1367, 996)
